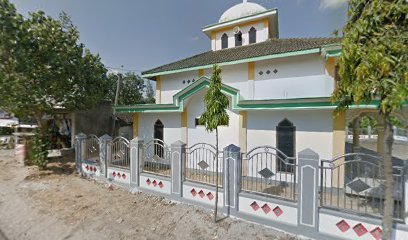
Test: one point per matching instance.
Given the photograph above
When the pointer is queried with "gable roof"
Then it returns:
(271, 47)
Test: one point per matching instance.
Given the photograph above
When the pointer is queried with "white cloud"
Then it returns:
(195, 38)
(331, 4)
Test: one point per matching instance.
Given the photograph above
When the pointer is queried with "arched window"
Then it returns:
(285, 142)
(224, 41)
(238, 39)
(252, 35)
(158, 139)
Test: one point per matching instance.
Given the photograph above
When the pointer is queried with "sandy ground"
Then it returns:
(58, 204)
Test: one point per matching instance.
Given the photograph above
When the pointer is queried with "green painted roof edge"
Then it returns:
(245, 60)
(237, 19)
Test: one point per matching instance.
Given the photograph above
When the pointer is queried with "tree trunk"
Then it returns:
(216, 175)
(386, 146)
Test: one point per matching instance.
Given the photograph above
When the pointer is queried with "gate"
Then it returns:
(268, 171)
(354, 182)
(201, 164)
(92, 148)
(157, 158)
(119, 153)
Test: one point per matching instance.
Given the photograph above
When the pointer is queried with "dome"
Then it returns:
(241, 10)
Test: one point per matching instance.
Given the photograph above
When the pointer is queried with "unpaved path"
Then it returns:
(58, 204)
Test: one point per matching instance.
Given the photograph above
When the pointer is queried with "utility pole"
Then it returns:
(116, 102)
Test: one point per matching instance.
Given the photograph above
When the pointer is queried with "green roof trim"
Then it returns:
(238, 19)
(236, 103)
(246, 60)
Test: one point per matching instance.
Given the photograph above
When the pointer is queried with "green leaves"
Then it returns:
(374, 63)
(43, 65)
(131, 89)
(216, 103)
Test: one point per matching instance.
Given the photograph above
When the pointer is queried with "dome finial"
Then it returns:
(244, 1)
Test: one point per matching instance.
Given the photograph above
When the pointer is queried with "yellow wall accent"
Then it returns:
(251, 71)
(266, 23)
(184, 118)
(135, 125)
(339, 141)
(243, 131)
(201, 73)
(184, 126)
(158, 90)
(330, 67)
(213, 35)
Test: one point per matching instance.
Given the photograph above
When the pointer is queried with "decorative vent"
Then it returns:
(343, 225)
(254, 206)
(266, 208)
(360, 230)
(260, 73)
(278, 211)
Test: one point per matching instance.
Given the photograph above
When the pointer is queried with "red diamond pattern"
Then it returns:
(254, 206)
(193, 192)
(148, 182)
(278, 211)
(123, 176)
(266, 208)
(201, 193)
(376, 233)
(154, 183)
(114, 174)
(94, 169)
(343, 225)
(210, 196)
(87, 167)
(161, 185)
(360, 229)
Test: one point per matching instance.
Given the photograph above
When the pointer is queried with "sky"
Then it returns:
(143, 34)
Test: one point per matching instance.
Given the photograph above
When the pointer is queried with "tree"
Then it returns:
(131, 89)
(215, 115)
(43, 66)
(374, 66)
(149, 93)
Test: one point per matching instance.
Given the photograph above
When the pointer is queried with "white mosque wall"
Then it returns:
(173, 83)
(313, 129)
(171, 122)
(296, 77)
(198, 134)
(261, 36)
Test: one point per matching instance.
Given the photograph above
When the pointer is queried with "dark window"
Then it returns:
(224, 41)
(252, 35)
(158, 139)
(238, 39)
(285, 138)
(197, 122)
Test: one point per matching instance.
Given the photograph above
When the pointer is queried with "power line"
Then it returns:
(124, 69)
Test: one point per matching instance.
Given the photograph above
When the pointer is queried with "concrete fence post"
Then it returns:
(104, 153)
(136, 160)
(178, 163)
(405, 191)
(308, 171)
(369, 131)
(79, 151)
(232, 177)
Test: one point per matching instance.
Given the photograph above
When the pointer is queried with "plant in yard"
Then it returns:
(374, 67)
(215, 115)
(38, 151)
(43, 66)
(130, 91)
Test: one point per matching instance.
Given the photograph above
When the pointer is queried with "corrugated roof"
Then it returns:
(269, 47)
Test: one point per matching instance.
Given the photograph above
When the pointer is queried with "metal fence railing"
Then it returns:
(119, 153)
(200, 164)
(157, 158)
(355, 182)
(92, 143)
(268, 171)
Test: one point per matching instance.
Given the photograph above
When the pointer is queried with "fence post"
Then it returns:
(136, 160)
(79, 151)
(178, 156)
(232, 177)
(405, 191)
(308, 171)
(103, 153)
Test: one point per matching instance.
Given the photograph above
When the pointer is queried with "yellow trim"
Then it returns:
(201, 73)
(251, 71)
(266, 23)
(330, 67)
(135, 125)
(213, 35)
(243, 130)
(339, 143)
(158, 90)
(184, 118)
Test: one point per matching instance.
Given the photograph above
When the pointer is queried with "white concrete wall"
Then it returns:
(313, 129)
(296, 77)
(171, 122)
(197, 134)
(261, 35)
(173, 83)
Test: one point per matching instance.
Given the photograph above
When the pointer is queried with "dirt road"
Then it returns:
(58, 204)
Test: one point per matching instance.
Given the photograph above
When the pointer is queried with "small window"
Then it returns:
(197, 122)
(158, 139)
(252, 35)
(224, 41)
(238, 39)
(286, 139)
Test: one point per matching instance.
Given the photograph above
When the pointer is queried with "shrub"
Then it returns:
(37, 150)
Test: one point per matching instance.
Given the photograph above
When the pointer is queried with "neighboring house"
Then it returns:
(279, 89)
